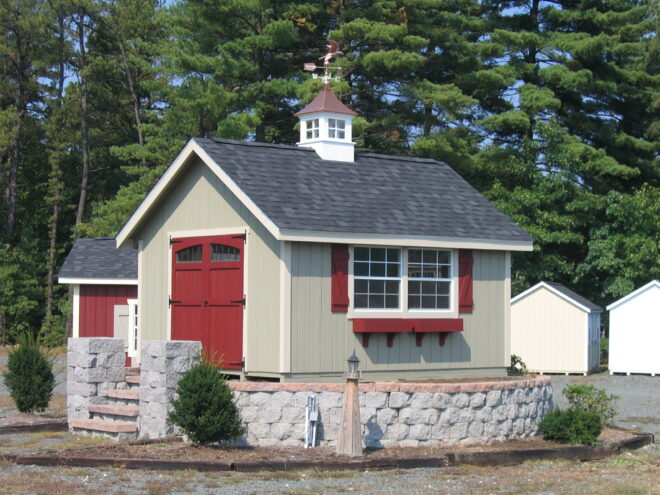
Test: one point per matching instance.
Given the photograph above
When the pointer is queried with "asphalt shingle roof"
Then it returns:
(99, 258)
(575, 296)
(377, 194)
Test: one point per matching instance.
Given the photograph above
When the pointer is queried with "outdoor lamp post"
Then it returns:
(349, 441)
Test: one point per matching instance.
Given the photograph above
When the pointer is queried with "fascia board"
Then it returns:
(556, 292)
(633, 294)
(97, 281)
(403, 240)
(170, 174)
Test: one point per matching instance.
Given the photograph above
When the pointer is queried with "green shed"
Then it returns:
(283, 260)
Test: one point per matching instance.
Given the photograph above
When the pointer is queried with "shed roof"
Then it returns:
(295, 193)
(97, 260)
(564, 292)
(652, 283)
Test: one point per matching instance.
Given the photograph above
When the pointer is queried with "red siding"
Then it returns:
(339, 278)
(97, 304)
(465, 300)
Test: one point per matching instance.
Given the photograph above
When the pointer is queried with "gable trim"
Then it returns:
(179, 163)
(556, 292)
(97, 281)
(643, 288)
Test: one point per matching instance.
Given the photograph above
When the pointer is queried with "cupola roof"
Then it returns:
(326, 101)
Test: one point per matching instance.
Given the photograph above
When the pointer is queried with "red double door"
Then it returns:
(207, 297)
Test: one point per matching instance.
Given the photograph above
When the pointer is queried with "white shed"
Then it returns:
(635, 331)
(555, 330)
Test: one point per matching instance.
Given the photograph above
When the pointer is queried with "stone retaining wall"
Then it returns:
(404, 414)
(94, 366)
(162, 365)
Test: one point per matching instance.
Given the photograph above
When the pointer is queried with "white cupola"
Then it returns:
(326, 125)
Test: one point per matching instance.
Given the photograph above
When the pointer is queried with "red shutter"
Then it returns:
(465, 302)
(339, 278)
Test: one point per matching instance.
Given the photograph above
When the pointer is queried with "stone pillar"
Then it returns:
(94, 365)
(162, 364)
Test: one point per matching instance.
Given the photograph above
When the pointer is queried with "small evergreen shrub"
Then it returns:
(205, 409)
(518, 366)
(572, 426)
(592, 399)
(29, 376)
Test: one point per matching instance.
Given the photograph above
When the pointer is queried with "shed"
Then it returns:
(286, 259)
(555, 330)
(635, 331)
(104, 281)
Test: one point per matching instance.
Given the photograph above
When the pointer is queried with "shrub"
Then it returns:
(29, 376)
(205, 409)
(572, 426)
(604, 350)
(592, 399)
(518, 366)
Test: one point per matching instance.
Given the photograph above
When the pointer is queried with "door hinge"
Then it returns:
(240, 236)
(239, 301)
(171, 301)
(241, 363)
(174, 241)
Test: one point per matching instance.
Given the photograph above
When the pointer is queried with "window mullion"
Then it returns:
(404, 279)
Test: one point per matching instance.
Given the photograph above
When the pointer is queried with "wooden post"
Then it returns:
(349, 440)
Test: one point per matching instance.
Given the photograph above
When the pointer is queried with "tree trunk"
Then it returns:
(84, 125)
(134, 95)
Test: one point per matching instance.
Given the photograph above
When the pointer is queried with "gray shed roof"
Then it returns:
(575, 296)
(99, 258)
(377, 194)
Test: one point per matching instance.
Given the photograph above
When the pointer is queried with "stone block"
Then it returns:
(375, 400)
(249, 414)
(460, 400)
(293, 414)
(506, 428)
(282, 399)
(153, 394)
(398, 400)
(258, 430)
(410, 416)
(458, 431)
(82, 389)
(491, 429)
(450, 416)
(99, 345)
(484, 414)
(475, 429)
(103, 387)
(367, 414)
(440, 432)
(421, 400)
(241, 399)
(152, 379)
(110, 360)
(327, 400)
(270, 414)
(467, 415)
(397, 431)
(409, 442)
(153, 363)
(429, 416)
(500, 413)
(519, 427)
(441, 400)
(260, 398)
(419, 432)
(331, 416)
(477, 400)
(152, 348)
(523, 411)
(493, 398)
(386, 416)
(330, 432)
(511, 411)
(280, 431)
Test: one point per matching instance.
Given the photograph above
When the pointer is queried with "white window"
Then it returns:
(377, 278)
(337, 128)
(402, 279)
(429, 279)
(312, 128)
(132, 328)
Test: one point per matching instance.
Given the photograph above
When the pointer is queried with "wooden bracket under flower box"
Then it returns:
(419, 326)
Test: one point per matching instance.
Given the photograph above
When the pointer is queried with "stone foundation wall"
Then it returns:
(162, 365)
(94, 366)
(409, 414)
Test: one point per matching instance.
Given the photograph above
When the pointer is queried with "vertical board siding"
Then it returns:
(321, 340)
(97, 308)
(549, 333)
(198, 200)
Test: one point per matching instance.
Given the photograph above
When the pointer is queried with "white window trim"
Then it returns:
(404, 312)
(132, 336)
(336, 129)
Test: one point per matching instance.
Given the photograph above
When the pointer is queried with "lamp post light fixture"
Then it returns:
(349, 440)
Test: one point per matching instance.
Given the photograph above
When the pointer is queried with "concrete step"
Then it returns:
(103, 425)
(132, 370)
(125, 394)
(111, 409)
(132, 379)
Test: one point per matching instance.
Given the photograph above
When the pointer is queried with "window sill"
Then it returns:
(353, 314)
(419, 326)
